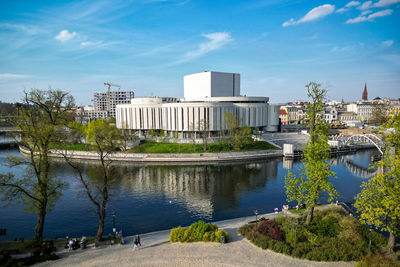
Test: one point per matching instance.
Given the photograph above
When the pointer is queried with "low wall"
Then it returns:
(169, 157)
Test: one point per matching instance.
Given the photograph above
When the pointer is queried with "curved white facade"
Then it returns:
(208, 96)
(195, 115)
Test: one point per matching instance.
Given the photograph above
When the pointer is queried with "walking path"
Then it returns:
(157, 251)
(168, 157)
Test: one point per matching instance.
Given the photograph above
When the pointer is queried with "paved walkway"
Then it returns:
(157, 251)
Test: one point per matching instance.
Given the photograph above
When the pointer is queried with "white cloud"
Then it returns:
(382, 3)
(13, 76)
(388, 43)
(313, 14)
(65, 35)
(340, 10)
(365, 12)
(365, 5)
(370, 17)
(353, 3)
(215, 41)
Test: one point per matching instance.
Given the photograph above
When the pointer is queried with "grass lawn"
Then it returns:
(332, 236)
(153, 147)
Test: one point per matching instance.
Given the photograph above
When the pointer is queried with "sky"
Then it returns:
(147, 46)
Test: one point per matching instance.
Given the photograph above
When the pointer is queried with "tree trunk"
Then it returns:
(391, 242)
(310, 215)
(40, 225)
(100, 228)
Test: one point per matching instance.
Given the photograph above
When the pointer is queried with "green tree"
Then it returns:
(41, 116)
(314, 176)
(238, 135)
(104, 138)
(379, 200)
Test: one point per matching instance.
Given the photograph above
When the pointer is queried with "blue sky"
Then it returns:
(149, 45)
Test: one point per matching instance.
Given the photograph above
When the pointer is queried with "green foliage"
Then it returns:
(378, 260)
(321, 240)
(198, 231)
(379, 200)
(177, 234)
(326, 227)
(239, 135)
(314, 177)
(102, 135)
(42, 116)
(219, 234)
(153, 147)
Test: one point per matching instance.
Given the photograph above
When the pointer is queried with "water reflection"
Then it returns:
(153, 197)
(204, 189)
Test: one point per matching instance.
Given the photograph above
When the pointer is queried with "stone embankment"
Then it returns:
(168, 157)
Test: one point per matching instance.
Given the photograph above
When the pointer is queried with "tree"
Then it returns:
(238, 135)
(127, 138)
(42, 114)
(379, 114)
(314, 176)
(205, 132)
(103, 137)
(379, 200)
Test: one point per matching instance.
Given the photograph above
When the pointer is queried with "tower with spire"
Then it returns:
(365, 93)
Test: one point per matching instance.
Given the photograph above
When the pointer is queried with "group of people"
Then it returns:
(73, 244)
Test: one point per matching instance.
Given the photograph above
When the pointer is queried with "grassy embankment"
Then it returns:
(153, 147)
(332, 236)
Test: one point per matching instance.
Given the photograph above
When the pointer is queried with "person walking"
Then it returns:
(135, 243)
(138, 240)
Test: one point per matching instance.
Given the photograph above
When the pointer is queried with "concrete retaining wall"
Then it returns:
(169, 157)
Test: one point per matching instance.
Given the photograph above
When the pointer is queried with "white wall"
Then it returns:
(197, 85)
(211, 84)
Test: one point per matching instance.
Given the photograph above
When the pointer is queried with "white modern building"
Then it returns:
(207, 98)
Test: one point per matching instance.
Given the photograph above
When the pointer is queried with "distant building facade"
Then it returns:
(108, 101)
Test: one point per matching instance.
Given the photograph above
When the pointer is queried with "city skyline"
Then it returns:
(148, 46)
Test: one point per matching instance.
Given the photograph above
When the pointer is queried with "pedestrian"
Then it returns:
(135, 243)
(70, 244)
(138, 240)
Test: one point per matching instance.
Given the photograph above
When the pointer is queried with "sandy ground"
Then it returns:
(157, 251)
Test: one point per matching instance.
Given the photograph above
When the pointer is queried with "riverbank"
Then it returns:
(170, 157)
(157, 251)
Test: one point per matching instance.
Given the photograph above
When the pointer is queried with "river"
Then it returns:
(148, 198)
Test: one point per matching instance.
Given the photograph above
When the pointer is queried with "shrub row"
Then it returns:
(198, 231)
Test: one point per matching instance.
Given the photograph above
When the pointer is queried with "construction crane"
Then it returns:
(111, 84)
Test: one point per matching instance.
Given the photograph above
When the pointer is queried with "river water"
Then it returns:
(148, 198)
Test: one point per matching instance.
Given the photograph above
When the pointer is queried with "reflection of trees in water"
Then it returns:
(203, 188)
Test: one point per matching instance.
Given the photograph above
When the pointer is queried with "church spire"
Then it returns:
(365, 93)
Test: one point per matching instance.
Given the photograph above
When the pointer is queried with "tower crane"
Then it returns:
(111, 84)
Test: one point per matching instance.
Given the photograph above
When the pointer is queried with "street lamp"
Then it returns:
(256, 213)
(113, 216)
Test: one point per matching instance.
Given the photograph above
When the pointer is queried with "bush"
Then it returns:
(198, 231)
(325, 227)
(271, 228)
(378, 260)
(332, 236)
(177, 234)
(219, 234)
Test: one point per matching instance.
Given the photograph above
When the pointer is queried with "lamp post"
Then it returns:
(256, 213)
(113, 216)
